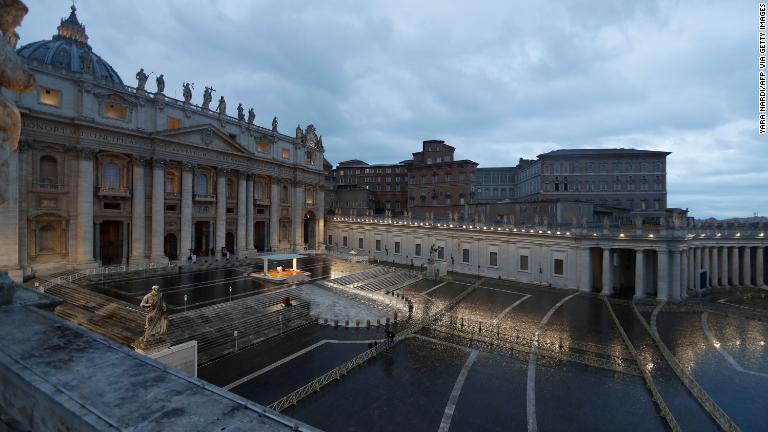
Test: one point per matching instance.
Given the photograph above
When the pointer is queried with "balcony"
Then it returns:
(205, 197)
(113, 191)
(47, 187)
(172, 195)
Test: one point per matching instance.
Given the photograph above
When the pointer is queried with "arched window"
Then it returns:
(46, 239)
(49, 170)
(111, 176)
(171, 183)
(201, 185)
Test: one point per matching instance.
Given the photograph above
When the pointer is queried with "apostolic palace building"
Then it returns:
(107, 173)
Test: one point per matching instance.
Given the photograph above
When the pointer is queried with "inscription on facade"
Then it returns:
(88, 134)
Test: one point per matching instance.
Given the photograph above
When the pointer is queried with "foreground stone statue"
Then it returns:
(14, 76)
(155, 324)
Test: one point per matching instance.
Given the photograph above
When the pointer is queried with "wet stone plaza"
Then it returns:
(505, 356)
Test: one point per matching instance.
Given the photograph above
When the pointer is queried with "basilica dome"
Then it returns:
(69, 50)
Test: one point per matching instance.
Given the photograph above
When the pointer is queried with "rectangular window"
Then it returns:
(173, 123)
(559, 267)
(441, 252)
(417, 250)
(111, 206)
(397, 247)
(115, 111)
(344, 241)
(523, 262)
(493, 259)
(378, 245)
(170, 207)
(360, 243)
(48, 96)
(465, 256)
(286, 153)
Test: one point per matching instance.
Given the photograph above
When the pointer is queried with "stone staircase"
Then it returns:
(391, 282)
(101, 314)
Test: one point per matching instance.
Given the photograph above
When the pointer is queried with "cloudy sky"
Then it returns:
(498, 80)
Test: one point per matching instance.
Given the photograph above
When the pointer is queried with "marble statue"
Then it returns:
(85, 61)
(14, 76)
(187, 92)
(251, 116)
(141, 77)
(160, 81)
(274, 124)
(432, 254)
(240, 113)
(207, 97)
(156, 322)
(221, 108)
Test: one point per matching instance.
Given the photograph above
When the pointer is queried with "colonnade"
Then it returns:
(86, 236)
(689, 268)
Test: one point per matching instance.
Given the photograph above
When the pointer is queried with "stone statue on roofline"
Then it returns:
(251, 116)
(221, 108)
(299, 133)
(240, 113)
(160, 81)
(207, 97)
(141, 79)
(187, 92)
(274, 124)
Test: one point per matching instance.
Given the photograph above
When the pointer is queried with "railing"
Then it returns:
(337, 373)
(48, 186)
(709, 405)
(121, 268)
(107, 190)
(172, 195)
(663, 408)
(205, 197)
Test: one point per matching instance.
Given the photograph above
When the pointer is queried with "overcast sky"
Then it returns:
(498, 80)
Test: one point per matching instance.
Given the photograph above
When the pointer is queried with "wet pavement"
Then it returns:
(428, 380)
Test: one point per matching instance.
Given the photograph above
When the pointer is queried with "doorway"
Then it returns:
(202, 238)
(171, 247)
(309, 229)
(111, 248)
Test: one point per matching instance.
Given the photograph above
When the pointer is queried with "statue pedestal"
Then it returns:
(152, 345)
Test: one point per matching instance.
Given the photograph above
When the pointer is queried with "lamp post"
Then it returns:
(235, 340)
(230, 294)
(185, 302)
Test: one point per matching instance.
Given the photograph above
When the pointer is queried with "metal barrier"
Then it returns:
(338, 372)
(121, 268)
(709, 405)
(663, 408)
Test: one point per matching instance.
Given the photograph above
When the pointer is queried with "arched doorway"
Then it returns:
(229, 242)
(171, 247)
(309, 228)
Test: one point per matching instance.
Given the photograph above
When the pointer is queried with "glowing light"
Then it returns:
(594, 235)
(716, 344)
(558, 233)
(568, 233)
(738, 234)
(650, 235)
(621, 235)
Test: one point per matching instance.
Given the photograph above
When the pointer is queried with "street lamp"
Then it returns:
(235, 340)
(185, 302)
(230, 294)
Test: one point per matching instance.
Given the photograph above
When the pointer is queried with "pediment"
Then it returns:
(207, 136)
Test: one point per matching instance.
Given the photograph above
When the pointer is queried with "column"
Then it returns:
(158, 210)
(186, 230)
(675, 287)
(297, 221)
(241, 213)
(138, 230)
(221, 212)
(607, 272)
(249, 240)
(696, 270)
(724, 281)
(760, 280)
(585, 280)
(714, 268)
(274, 215)
(705, 266)
(747, 267)
(662, 280)
(691, 271)
(683, 274)
(639, 273)
(84, 222)
(735, 281)
(320, 215)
